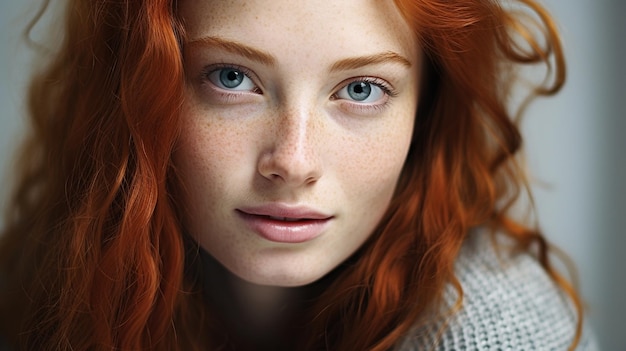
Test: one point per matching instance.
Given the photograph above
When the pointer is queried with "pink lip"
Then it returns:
(285, 224)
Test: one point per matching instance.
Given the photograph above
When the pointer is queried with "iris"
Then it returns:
(359, 91)
(231, 78)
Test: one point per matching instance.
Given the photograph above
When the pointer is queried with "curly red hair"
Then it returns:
(93, 255)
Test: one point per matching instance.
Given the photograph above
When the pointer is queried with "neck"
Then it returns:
(258, 317)
(253, 314)
(262, 306)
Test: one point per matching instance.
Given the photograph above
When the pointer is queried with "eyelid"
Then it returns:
(385, 86)
(366, 108)
(209, 69)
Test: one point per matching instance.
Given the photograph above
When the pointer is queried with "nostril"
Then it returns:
(286, 166)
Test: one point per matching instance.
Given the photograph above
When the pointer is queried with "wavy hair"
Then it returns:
(93, 255)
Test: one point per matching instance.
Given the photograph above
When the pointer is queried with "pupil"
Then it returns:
(232, 75)
(358, 88)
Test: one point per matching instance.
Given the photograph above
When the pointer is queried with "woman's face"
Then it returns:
(297, 122)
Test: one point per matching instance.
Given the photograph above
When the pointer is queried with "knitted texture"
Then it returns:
(509, 304)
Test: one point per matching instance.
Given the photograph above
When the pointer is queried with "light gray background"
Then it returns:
(575, 144)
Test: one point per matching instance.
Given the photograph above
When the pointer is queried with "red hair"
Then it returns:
(93, 255)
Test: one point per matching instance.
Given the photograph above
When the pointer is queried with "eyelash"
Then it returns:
(229, 95)
(381, 83)
(366, 108)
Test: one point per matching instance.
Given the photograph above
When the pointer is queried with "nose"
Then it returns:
(293, 156)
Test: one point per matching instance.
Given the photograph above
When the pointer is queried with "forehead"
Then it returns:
(359, 26)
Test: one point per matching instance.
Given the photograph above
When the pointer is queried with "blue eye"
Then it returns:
(361, 91)
(230, 78)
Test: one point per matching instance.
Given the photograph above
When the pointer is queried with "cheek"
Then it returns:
(208, 159)
(373, 165)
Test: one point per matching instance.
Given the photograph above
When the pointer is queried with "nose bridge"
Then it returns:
(294, 131)
(294, 156)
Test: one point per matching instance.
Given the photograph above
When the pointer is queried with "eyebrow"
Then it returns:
(268, 59)
(358, 62)
(235, 48)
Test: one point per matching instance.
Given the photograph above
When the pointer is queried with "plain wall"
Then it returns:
(575, 144)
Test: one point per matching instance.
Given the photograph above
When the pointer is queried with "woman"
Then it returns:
(255, 175)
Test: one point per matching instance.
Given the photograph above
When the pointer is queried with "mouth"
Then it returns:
(285, 213)
(285, 225)
(286, 219)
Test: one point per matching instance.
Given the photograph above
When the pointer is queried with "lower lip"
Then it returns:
(283, 231)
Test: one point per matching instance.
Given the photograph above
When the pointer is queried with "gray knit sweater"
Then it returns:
(509, 304)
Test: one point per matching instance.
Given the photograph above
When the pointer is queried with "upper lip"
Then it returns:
(285, 211)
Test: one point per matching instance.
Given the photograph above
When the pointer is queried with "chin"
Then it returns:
(283, 278)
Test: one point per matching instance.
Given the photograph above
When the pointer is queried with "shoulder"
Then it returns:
(509, 303)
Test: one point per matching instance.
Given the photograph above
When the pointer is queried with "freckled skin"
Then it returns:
(295, 143)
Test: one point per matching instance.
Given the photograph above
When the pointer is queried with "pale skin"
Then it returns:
(295, 104)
